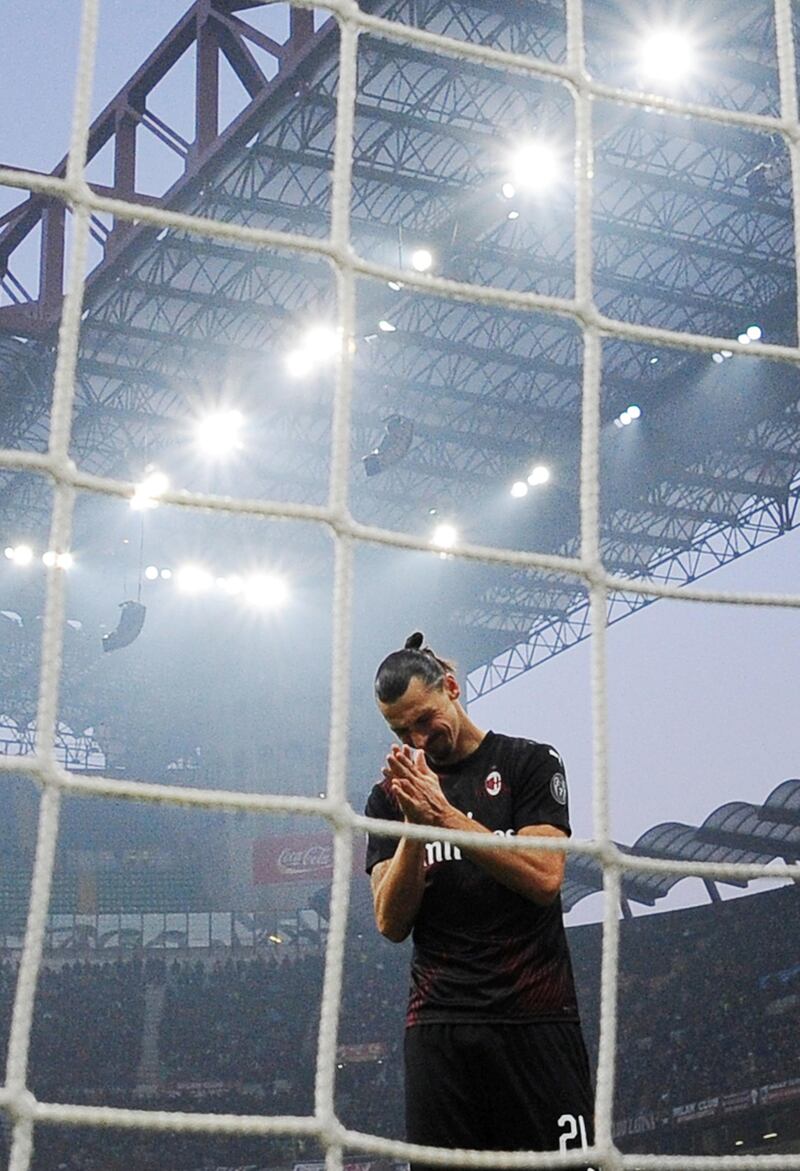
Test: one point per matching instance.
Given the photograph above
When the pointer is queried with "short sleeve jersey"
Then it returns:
(482, 952)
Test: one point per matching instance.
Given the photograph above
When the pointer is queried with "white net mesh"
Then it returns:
(55, 782)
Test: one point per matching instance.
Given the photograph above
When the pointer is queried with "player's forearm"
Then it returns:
(398, 892)
(534, 874)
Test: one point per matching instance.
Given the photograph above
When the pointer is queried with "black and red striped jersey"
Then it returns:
(482, 952)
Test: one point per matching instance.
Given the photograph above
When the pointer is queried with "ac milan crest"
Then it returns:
(493, 783)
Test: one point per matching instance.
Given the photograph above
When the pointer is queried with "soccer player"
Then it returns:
(494, 1055)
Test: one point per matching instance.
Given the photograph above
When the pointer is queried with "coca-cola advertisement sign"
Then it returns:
(293, 858)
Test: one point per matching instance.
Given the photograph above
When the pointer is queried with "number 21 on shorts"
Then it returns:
(572, 1127)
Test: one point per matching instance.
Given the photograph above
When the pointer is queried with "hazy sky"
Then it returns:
(703, 701)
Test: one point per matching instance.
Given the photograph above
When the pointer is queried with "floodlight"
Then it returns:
(218, 433)
(634, 412)
(166, 574)
(266, 590)
(151, 572)
(444, 536)
(538, 475)
(625, 419)
(743, 339)
(192, 579)
(232, 584)
(421, 259)
(508, 191)
(386, 327)
(323, 341)
(59, 560)
(519, 489)
(20, 554)
(535, 166)
(147, 492)
(299, 363)
(667, 56)
(754, 333)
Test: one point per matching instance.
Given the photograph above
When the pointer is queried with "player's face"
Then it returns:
(428, 718)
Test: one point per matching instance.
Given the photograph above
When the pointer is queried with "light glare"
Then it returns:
(147, 492)
(519, 489)
(151, 572)
(298, 364)
(538, 475)
(20, 554)
(667, 56)
(421, 259)
(323, 341)
(754, 333)
(266, 590)
(445, 536)
(218, 433)
(192, 579)
(534, 166)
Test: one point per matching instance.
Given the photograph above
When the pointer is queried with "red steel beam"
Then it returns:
(213, 26)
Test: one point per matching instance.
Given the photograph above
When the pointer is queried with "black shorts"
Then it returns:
(498, 1087)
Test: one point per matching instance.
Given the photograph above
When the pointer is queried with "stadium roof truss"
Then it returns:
(734, 833)
(680, 241)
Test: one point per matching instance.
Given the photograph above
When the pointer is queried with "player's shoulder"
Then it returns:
(527, 751)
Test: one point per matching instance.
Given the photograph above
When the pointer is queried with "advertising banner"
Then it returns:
(293, 858)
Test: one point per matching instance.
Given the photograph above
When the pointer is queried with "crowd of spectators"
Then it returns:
(709, 1003)
(705, 1004)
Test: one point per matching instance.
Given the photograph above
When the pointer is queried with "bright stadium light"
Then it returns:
(535, 166)
(744, 339)
(754, 333)
(19, 554)
(232, 584)
(508, 191)
(193, 579)
(421, 260)
(538, 475)
(219, 432)
(299, 364)
(147, 492)
(319, 345)
(444, 536)
(519, 489)
(58, 560)
(634, 411)
(267, 591)
(667, 56)
(323, 342)
(165, 574)
(151, 572)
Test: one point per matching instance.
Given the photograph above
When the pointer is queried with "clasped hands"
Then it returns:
(416, 787)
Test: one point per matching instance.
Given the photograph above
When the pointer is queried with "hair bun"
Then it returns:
(414, 641)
